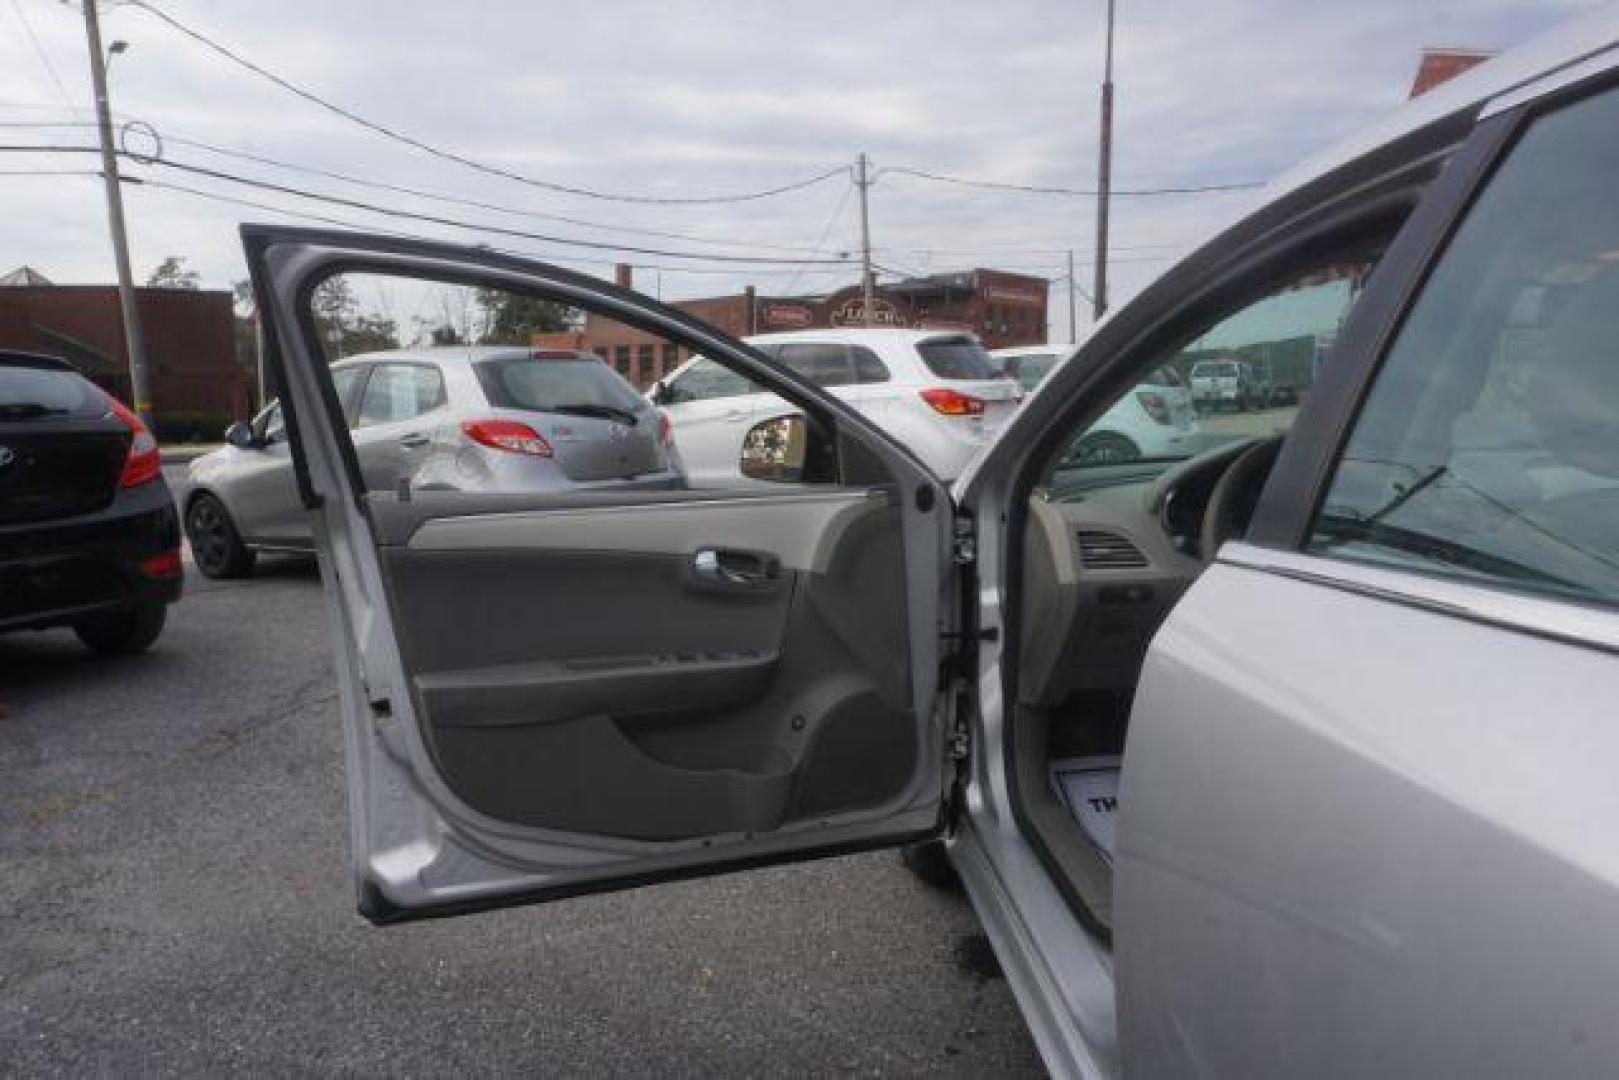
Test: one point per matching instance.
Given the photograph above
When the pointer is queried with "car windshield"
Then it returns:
(957, 358)
(1030, 368)
(27, 392)
(555, 385)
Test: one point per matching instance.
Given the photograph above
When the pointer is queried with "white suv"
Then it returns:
(1156, 420)
(937, 392)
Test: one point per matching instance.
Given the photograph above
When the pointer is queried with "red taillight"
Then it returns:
(507, 435)
(666, 429)
(143, 464)
(1156, 406)
(166, 565)
(953, 403)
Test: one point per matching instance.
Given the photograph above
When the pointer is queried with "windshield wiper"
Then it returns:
(606, 412)
(27, 410)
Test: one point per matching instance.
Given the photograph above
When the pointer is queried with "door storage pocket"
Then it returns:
(585, 776)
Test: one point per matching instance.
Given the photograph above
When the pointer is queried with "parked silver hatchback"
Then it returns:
(461, 418)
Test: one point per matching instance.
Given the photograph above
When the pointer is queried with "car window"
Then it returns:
(1488, 448)
(1029, 369)
(867, 367)
(270, 424)
(705, 380)
(522, 383)
(957, 358)
(821, 364)
(346, 381)
(1179, 410)
(27, 391)
(399, 392)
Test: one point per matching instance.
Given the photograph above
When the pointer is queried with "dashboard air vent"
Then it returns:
(1100, 550)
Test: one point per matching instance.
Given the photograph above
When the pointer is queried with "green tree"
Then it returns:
(171, 273)
(512, 319)
(368, 333)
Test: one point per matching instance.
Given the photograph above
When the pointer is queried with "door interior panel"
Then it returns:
(610, 688)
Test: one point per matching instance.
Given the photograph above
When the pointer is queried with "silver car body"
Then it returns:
(1366, 811)
(430, 450)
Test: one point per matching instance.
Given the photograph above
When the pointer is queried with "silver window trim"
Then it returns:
(1594, 64)
(1567, 621)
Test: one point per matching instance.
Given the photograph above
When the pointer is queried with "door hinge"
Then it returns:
(959, 744)
(963, 541)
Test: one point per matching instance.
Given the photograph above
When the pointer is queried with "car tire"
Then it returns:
(216, 546)
(123, 632)
(929, 862)
(1107, 448)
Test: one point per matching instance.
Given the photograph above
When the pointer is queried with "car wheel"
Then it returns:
(123, 632)
(929, 862)
(215, 544)
(1106, 448)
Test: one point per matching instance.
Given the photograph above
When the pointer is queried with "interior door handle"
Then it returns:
(413, 440)
(739, 569)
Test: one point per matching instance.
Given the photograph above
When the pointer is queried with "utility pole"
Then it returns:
(134, 343)
(1104, 180)
(1073, 323)
(868, 285)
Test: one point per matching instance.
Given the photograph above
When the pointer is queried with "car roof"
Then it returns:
(453, 354)
(860, 335)
(17, 358)
(1060, 348)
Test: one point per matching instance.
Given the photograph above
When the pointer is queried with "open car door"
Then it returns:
(590, 684)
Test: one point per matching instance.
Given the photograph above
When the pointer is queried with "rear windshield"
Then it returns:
(957, 358)
(521, 383)
(1215, 371)
(27, 392)
(1164, 376)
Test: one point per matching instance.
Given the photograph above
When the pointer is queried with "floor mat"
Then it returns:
(1089, 787)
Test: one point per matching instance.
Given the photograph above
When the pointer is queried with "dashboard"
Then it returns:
(1108, 551)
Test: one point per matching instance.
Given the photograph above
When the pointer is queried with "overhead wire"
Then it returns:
(461, 159)
(1037, 189)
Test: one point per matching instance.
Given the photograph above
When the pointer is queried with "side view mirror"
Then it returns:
(241, 436)
(660, 393)
(775, 450)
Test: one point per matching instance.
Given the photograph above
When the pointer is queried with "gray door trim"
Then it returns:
(1566, 621)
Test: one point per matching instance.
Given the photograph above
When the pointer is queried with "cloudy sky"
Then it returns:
(693, 98)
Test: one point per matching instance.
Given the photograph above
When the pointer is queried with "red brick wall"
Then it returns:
(190, 343)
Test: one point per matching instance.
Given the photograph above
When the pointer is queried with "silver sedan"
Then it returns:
(460, 418)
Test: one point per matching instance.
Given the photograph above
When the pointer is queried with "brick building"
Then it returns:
(190, 340)
(1001, 308)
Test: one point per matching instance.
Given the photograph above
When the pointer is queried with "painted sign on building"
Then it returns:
(778, 316)
(852, 312)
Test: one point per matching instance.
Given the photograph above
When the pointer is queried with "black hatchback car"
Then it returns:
(89, 537)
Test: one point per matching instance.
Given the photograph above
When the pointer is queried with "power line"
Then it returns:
(1035, 189)
(460, 159)
(837, 214)
(436, 219)
(323, 219)
(457, 200)
(44, 57)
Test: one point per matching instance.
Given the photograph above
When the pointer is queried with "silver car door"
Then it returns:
(567, 691)
(394, 424)
(1368, 790)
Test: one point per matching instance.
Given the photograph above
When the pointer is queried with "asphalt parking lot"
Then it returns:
(174, 900)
